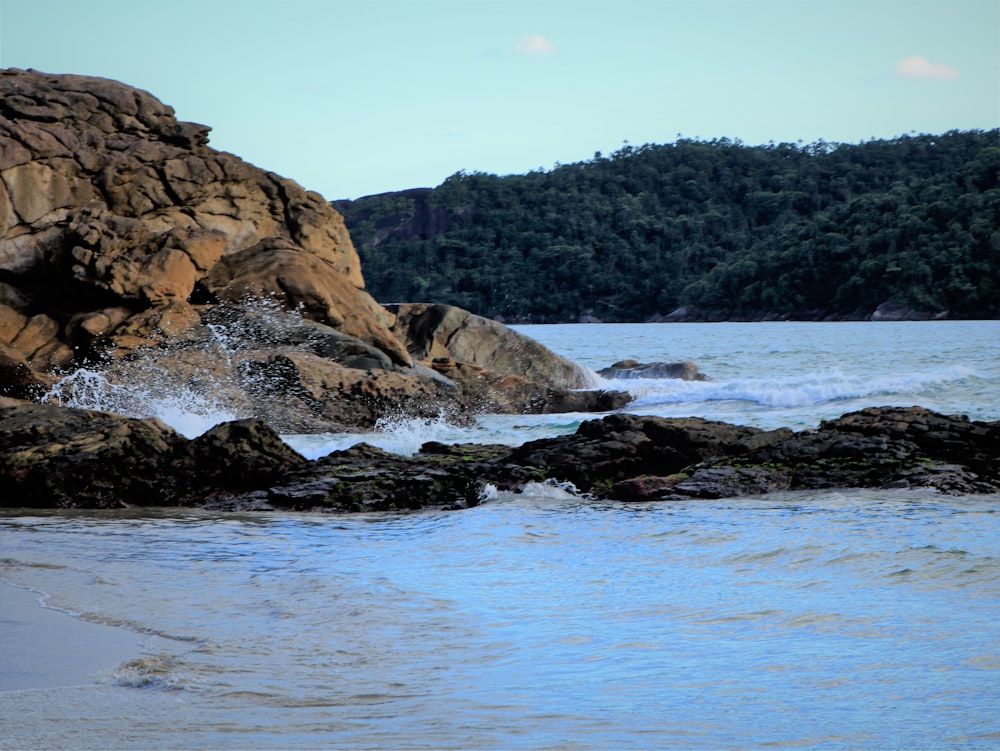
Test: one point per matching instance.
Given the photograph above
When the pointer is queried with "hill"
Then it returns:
(703, 230)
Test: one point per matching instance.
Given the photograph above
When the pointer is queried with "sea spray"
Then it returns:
(793, 391)
(191, 384)
(182, 407)
(397, 434)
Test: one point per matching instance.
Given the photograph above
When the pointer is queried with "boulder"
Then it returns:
(56, 457)
(444, 331)
(52, 457)
(685, 371)
(108, 202)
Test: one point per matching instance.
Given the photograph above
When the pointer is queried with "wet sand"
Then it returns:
(44, 648)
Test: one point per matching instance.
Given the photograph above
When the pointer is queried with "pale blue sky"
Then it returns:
(360, 97)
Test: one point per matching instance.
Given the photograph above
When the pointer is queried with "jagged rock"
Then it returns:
(65, 458)
(106, 201)
(276, 270)
(620, 446)
(57, 457)
(367, 478)
(685, 371)
(240, 455)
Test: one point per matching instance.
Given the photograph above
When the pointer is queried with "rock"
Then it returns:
(496, 368)
(443, 331)
(366, 478)
(107, 201)
(894, 311)
(275, 270)
(240, 455)
(125, 240)
(60, 457)
(17, 379)
(56, 457)
(948, 438)
(685, 371)
(620, 446)
(728, 482)
(53, 457)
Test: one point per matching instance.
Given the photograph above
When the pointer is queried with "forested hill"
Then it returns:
(716, 228)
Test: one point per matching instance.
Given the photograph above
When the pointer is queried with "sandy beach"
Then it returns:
(44, 648)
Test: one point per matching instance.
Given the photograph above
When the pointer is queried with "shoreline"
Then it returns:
(45, 648)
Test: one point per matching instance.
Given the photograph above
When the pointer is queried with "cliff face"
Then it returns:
(402, 216)
(110, 207)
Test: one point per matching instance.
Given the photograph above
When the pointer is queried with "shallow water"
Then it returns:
(543, 620)
(768, 375)
(535, 621)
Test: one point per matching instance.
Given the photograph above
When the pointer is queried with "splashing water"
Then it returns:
(397, 434)
(181, 407)
(797, 391)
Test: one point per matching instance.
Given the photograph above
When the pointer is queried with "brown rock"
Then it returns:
(115, 204)
(436, 331)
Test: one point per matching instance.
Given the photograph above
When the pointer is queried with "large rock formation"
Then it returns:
(109, 206)
(122, 232)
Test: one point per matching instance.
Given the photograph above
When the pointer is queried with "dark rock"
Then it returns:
(53, 457)
(239, 455)
(58, 457)
(620, 446)
(685, 371)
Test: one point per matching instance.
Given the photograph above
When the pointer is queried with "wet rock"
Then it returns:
(52, 457)
(685, 371)
(239, 455)
(58, 457)
(621, 446)
(367, 478)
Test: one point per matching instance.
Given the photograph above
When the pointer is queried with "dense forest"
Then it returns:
(704, 230)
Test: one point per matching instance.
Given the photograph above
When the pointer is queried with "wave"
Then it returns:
(804, 391)
(154, 672)
(185, 410)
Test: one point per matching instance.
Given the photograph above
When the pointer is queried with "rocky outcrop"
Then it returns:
(56, 457)
(434, 331)
(497, 368)
(109, 206)
(685, 371)
(124, 237)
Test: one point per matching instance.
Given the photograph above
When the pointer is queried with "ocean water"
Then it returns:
(541, 620)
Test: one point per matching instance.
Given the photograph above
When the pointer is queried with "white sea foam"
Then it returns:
(184, 409)
(150, 672)
(397, 434)
(795, 391)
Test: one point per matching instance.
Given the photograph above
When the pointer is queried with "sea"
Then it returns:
(849, 619)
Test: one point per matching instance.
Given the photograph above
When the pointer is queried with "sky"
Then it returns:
(352, 98)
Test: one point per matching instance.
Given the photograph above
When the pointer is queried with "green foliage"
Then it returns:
(733, 230)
